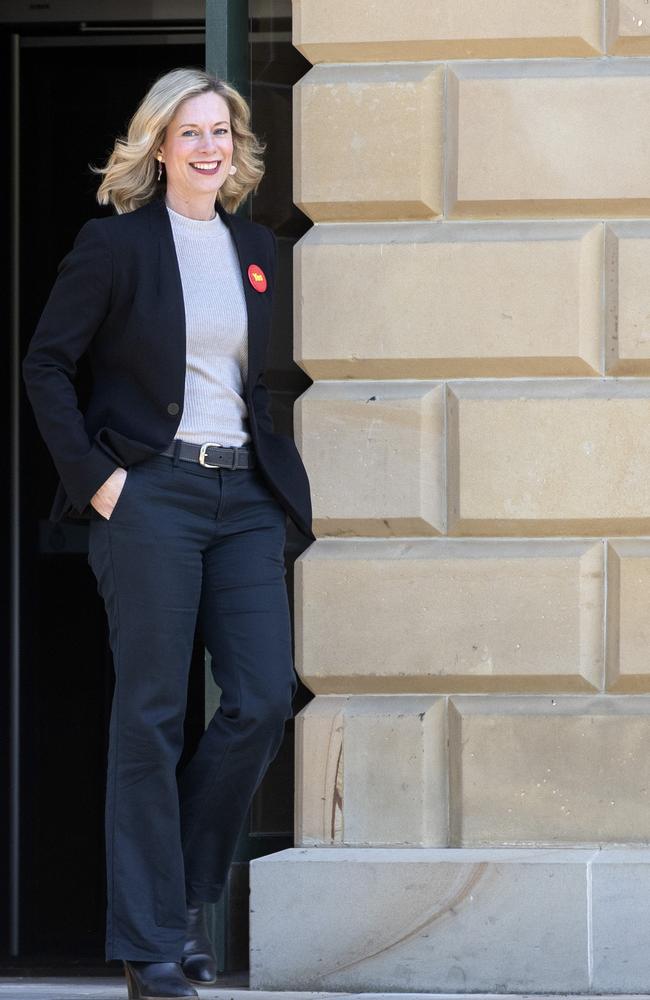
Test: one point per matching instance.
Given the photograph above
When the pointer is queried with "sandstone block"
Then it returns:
(445, 29)
(535, 771)
(449, 300)
(436, 615)
(627, 28)
(374, 452)
(628, 622)
(540, 127)
(372, 771)
(549, 457)
(347, 161)
(627, 286)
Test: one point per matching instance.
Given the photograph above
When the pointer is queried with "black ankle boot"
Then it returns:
(157, 981)
(197, 960)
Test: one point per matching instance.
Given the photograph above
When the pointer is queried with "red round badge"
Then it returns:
(257, 277)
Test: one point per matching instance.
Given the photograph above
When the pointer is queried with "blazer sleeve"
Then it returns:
(261, 391)
(74, 311)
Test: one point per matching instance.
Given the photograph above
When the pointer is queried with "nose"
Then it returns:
(210, 141)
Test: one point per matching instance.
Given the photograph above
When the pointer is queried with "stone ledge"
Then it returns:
(493, 920)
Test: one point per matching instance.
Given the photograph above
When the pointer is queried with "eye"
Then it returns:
(192, 131)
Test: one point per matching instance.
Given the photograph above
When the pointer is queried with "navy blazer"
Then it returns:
(118, 296)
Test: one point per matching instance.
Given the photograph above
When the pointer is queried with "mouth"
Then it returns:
(208, 167)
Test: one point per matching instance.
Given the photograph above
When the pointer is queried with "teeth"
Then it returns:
(207, 166)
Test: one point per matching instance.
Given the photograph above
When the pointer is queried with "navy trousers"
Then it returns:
(186, 545)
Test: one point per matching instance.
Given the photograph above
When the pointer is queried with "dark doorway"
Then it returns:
(75, 85)
(77, 89)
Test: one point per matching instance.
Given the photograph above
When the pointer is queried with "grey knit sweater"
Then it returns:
(217, 327)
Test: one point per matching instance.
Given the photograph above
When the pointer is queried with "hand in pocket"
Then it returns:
(108, 494)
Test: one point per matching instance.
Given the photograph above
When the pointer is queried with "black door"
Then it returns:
(74, 90)
(69, 88)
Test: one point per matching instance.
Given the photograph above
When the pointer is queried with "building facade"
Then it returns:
(472, 304)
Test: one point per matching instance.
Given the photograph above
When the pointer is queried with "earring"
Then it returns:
(159, 169)
(233, 169)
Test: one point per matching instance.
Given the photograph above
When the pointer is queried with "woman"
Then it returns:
(187, 488)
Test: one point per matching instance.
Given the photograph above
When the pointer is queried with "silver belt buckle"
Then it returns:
(202, 461)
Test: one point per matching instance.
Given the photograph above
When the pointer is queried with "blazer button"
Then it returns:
(172, 409)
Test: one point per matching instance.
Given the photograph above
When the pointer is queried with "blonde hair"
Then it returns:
(131, 169)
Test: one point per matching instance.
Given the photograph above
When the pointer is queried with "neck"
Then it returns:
(202, 209)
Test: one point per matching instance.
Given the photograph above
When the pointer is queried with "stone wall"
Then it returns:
(473, 305)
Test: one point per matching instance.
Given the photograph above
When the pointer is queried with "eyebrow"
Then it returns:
(194, 125)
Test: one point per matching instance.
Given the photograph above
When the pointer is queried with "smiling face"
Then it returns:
(198, 149)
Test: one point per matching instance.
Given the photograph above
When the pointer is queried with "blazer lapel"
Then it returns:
(171, 288)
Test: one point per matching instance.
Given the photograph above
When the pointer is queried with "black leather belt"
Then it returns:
(211, 456)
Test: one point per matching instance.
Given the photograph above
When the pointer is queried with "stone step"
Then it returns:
(445, 920)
